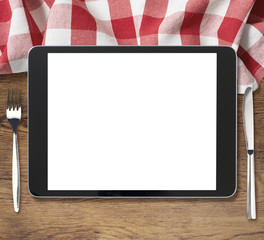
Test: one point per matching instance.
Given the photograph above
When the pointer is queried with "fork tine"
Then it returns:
(19, 103)
(15, 102)
(7, 101)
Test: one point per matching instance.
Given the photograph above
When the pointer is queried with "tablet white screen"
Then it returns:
(132, 121)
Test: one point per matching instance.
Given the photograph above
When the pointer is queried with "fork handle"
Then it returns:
(251, 198)
(15, 173)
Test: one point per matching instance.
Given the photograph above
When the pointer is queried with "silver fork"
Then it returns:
(13, 114)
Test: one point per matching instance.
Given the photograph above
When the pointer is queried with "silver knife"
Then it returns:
(249, 135)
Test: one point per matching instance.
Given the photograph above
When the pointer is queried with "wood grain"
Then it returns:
(126, 218)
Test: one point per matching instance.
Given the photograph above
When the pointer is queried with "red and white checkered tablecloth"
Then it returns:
(236, 23)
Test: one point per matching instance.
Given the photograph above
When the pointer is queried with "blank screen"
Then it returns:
(132, 121)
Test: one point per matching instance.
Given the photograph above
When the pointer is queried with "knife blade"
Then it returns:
(249, 118)
(248, 114)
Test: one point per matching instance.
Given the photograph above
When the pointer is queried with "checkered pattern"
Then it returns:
(235, 23)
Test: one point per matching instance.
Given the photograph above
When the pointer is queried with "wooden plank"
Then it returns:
(126, 218)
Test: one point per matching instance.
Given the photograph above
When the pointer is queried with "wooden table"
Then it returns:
(126, 218)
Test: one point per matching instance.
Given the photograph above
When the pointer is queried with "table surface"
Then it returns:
(126, 218)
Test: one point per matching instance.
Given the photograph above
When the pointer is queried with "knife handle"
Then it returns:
(251, 198)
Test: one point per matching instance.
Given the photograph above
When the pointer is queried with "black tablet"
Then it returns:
(132, 121)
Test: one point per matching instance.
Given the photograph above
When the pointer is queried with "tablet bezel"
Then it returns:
(226, 120)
